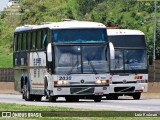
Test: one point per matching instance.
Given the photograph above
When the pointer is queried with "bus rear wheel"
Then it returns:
(23, 92)
(97, 99)
(27, 95)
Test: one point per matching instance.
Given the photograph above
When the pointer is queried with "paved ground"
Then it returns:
(143, 96)
(123, 104)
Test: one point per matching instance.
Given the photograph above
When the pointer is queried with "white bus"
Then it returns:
(62, 59)
(129, 70)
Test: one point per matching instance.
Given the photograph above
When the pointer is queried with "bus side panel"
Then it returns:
(37, 72)
(20, 61)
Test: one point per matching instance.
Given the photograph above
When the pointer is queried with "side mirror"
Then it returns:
(49, 52)
(112, 51)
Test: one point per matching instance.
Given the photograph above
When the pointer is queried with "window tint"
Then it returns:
(24, 41)
(45, 39)
(19, 41)
(128, 40)
(39, 39)
(27, 41)
(33, 42)
(15, 42)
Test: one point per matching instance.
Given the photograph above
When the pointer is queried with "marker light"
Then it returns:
(138, 77)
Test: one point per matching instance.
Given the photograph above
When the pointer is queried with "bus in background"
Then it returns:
(129, 69)
(62, 59)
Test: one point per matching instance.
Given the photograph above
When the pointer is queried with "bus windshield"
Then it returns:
(128, 41)
(129, 60)
(80, 59)
(79, 35)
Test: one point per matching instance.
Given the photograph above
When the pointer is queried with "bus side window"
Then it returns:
(48, 36)
(44, 42)
(28, 39)
(33, 42)
(36, 33)
(24, 41)
(19, 41)
(39, 39)
(15, 42)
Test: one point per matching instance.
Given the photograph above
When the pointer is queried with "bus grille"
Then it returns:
(124, 89)
(125, 82)
(84, 90)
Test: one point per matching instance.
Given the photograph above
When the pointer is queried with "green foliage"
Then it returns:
(129, 14)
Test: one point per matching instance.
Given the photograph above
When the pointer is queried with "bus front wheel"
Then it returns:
(97, 99)
(136, 96)
(52, 98)
(38, 97)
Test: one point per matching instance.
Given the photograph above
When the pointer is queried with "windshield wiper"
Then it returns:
(134, 71)
(70, 71)
(92, 66)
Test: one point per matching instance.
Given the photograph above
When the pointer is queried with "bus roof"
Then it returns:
(61, 25)
(114, 32)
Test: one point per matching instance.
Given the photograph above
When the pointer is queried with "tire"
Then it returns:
(76, 99)
(45, 87)
(38, 98)
(52, 98)
(136, 96)
(108, 97)
(27, 95)
(69, 99)
(97, 99)
(23, 94)
(72, 99)
(115, 97)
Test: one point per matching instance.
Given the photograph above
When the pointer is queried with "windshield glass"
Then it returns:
(129, 60)
(117, 63)
(135, 59)
(79, 35)
(128, 40)
(80, 59)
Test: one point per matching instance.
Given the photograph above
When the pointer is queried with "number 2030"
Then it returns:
(65, 78)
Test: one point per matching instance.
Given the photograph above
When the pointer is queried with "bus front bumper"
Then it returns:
(80, 91)
(128, 88)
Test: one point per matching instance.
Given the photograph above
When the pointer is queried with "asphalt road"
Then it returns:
(123, 104)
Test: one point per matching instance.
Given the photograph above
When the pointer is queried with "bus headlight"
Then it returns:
(61, 82)
(143, 87)
(102, 81)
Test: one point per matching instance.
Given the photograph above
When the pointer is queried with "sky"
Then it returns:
(3, 4)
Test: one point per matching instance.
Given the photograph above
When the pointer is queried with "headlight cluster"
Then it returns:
(61, 82)
(102, 81)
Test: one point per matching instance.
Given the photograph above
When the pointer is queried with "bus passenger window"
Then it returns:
(44, 40)
(19, 41)
(33, 43)
(15, 42)
(39, 40)
(28, 39)
(24, 41)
